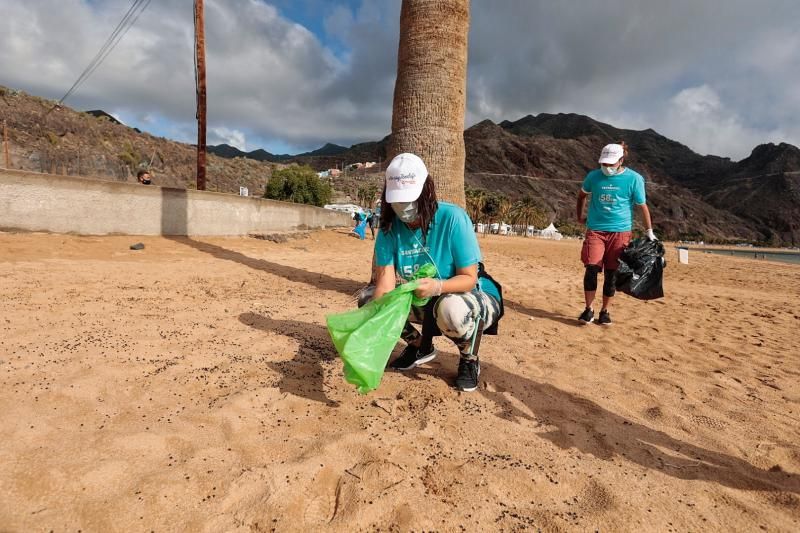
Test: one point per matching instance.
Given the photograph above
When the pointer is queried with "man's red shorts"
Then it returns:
(603, 248)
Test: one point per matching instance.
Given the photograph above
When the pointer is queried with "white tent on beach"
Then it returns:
(550, 232)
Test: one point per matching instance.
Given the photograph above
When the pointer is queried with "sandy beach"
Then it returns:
(192, 386)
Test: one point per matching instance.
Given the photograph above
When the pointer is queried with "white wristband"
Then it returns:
(439, 288)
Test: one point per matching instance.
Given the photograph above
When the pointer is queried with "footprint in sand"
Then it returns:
(339, 497)
(247, 501)
(322, 508)
(595, 498)
(707, 421)
(653, 413)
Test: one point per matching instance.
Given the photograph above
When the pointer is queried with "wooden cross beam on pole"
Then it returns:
(200, 57)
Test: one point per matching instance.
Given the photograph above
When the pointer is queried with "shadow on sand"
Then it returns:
(540, 313)
(582, 424)
(330, 283)
(315, 279)
(303, 375)
(576, 421)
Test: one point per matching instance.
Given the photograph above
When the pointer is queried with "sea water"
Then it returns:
(755, 253)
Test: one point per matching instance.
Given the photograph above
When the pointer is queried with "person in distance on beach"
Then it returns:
(372, 221)
(416, 229)
(613, 190)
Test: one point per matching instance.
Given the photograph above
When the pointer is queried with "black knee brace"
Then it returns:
(610, 283)
(590, 278)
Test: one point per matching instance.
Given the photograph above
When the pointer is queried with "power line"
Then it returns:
(127, 22)
(95, 61)
(110, 43)
(121, 35)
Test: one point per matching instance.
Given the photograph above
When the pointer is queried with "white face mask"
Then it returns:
(610, 171)
(407, 212)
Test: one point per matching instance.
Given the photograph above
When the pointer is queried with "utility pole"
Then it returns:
(200, 64)
(5, 145)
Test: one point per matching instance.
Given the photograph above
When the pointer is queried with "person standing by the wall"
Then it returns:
(144, 177)
(372, 220)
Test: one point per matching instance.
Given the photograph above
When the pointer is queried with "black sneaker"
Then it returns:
(604, 319)
(468, 372)
(411, 358)
(587, 316)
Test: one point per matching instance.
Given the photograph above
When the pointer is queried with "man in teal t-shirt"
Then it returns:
(613, 191)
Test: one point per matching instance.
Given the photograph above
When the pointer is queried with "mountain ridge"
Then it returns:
(546, 156)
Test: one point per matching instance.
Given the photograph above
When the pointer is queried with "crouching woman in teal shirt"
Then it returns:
(415, 229)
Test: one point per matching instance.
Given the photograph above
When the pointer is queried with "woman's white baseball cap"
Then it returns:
(405, 176)
(611, 154)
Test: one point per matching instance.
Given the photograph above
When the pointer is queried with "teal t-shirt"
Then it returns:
(450, 244)
(612, 199)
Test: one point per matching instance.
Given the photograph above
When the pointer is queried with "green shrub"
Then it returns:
(298, 184)
(570, 229)
(130, 157)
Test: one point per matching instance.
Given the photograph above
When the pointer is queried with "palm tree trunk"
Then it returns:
(430, 91)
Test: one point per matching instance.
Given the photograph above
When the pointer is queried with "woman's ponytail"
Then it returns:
(624, 149)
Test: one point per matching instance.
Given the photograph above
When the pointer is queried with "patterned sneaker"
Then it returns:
(587, 316)
(468, 372)
(411, 358)
(604, 319)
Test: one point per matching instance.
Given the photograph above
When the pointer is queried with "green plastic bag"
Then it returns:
(365, 337)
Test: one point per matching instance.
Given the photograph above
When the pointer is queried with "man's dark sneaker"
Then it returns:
(587, 316)
(468, 372)
(411, 358)
(604, 319)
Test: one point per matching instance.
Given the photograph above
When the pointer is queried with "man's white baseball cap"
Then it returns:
(611, 154)
(405, 176)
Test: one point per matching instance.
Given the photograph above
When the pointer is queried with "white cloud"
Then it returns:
(235, 138)
(268, 77)
(698, 117)
(701, 101)
(709, 73)
(627, 62)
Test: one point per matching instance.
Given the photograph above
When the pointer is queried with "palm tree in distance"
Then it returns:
(503, 210)
(527, 212)
(476, 201)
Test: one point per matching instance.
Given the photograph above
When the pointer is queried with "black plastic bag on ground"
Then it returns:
(641, 269)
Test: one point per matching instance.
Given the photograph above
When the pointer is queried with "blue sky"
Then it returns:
(290, 75)
(312, 16)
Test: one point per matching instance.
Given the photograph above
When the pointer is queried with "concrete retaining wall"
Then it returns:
(31, 201)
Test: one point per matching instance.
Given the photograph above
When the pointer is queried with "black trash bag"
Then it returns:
(641, 269)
